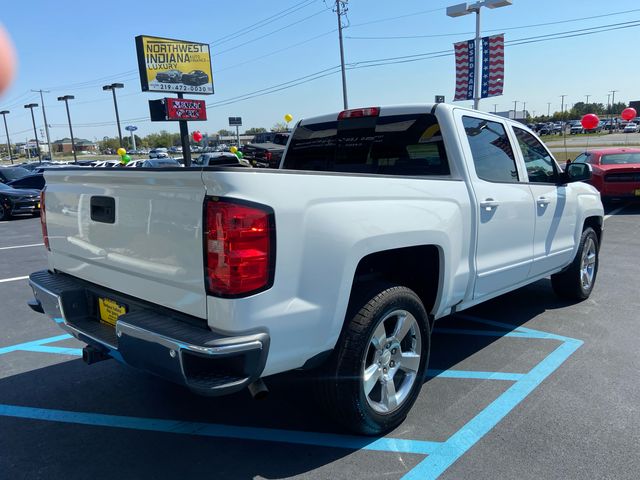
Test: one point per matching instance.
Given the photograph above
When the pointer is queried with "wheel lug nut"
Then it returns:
(394, 351)
(392, 364)
(384, 370)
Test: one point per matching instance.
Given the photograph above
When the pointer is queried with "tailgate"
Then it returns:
(138, 232)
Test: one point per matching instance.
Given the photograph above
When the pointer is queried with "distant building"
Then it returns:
(520, 115)
(82, 145)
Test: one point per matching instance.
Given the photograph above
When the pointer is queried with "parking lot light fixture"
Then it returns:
(465, 8)
(113, 87)
(66, 99)
(4, 115)
(35, 132)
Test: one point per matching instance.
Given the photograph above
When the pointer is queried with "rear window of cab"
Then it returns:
(409, 145)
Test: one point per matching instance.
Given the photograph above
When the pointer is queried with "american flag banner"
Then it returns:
(492, 66)
(465, 69)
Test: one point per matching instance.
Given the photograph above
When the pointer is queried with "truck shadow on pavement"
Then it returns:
(37, 444)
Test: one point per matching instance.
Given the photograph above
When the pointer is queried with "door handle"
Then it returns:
(489, 204)
(543, 201)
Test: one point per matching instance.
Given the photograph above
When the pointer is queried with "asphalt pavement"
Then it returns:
(525, 386)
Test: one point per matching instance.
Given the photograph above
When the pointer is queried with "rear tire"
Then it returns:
(577, 281)
(377, 369)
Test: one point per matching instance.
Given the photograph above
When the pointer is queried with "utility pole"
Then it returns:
(4, 115)
(495, 107)
(587, 99)
(340, 12)
(524, 110)
(515, 108)
(46, 125)
(562, 107)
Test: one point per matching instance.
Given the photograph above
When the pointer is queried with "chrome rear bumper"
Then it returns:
(163, 342)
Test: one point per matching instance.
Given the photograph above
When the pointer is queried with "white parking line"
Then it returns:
(615, 212)
(22, 246)
(14, 279)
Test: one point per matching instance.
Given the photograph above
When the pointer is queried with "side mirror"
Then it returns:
(577, 172)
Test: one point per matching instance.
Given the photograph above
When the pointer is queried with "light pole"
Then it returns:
(113, 87)
(465, 9)
(587, 99)
(66, 99)
(4, 115)
(495, 108)
(524, 110)
(613, 103)
(35, 132)
(548, 109)
(515, 108)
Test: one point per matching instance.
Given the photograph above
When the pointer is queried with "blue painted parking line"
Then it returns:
(439, 455)
(394, 445)
(474, 374)
(35, 343)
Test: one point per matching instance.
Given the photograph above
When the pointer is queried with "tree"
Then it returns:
(254, 130)
(280, 127)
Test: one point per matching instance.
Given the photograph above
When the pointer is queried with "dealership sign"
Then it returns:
(179, 66)
(177, 109)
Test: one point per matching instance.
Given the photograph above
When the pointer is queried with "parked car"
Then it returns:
(576, 128)
(30, 182)
(630, 128)
(169, 76)
(107, 164)
(221, 159)
(616, 171)
(195, 78)
(159, 152)
(12, 173)
(161, 163)
(546, 129)
(381, 221)
(13, 201)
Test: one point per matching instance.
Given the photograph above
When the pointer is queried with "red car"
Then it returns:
(616, 171)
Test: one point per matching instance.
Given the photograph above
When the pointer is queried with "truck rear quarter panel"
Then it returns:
(325, 224)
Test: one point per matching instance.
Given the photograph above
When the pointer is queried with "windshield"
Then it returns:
(620, 159)
(15, 173)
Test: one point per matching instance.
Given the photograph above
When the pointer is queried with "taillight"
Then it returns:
(239, 247)
(43, 221)
(359, 113)
(267, 156)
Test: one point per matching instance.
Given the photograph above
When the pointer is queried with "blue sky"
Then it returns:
(76, 47)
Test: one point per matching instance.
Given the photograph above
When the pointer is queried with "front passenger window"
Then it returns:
(541, 167)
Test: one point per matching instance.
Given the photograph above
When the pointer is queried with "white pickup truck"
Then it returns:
(378, 222)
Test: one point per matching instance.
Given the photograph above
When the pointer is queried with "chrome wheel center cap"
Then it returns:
(385, 358)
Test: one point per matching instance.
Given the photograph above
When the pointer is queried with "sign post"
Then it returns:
(131, 129)
(237, 122)
(179, 66)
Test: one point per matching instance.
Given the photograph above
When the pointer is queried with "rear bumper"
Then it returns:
(166, 343)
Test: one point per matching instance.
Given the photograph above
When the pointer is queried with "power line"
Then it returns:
(406, 37)
(388, 19)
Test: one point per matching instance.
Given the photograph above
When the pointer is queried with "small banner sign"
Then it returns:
(465, 69)
(492, 66)
(172, 109)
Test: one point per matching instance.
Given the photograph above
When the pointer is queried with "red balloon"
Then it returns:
(590, 121)
(629, 113)
(197, 136)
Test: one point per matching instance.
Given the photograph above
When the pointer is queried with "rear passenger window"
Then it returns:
(388, 145)
(491, 150)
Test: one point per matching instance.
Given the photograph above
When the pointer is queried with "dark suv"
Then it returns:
(170, 76)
